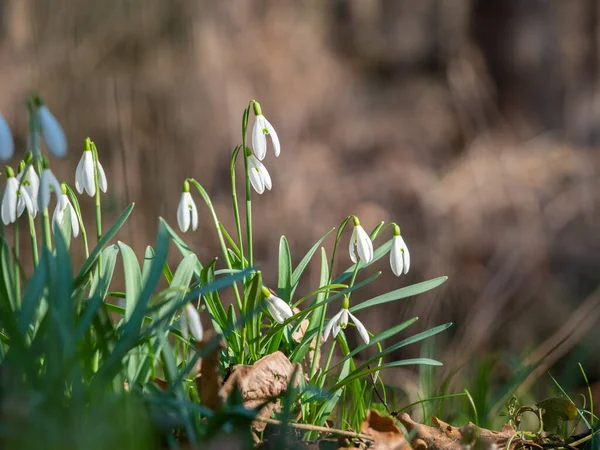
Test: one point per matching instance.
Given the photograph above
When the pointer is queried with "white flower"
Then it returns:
(53, 135)
(279, 309)
(84, 175)
(59, 213)
(261, 128)
(190, 321)
(7, 146)
(30, 182)
(360, 242)
(259, 177)
(399, 256)
(186, 212)
(340, 322)
(14, 200)
(48, 184)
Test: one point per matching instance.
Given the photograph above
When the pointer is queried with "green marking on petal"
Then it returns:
(265, 131)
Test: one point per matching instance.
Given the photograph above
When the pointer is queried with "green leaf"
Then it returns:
(133, 278)
(557, 409)
(254, 299)
(8, 275)
(33, 297)
(148, 258)
(112, 231)
(284, 279)
(398, 294)
(298, 271)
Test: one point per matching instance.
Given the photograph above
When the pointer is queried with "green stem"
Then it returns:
(46, 228)
(248, 198)
(353, 279)
(98, 201)
(17, 262)
(75, 203)
(236, 209)
(34, 244)
(213, 213)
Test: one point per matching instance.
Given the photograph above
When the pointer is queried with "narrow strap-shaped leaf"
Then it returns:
(299, 270)
(284, 278)
(133, 278)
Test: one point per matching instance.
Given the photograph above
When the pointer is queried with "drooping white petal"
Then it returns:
(364, 246)
(279, 309)
(53, 135)
(24, 201)
(193, 213)
(74, 221)
(352, 246)
(59, 211)
(332, 324)
(183, 212)
(102, 178)
(274, 138)
(259, 177)
(7, 146)
(405, 254)
(48, 184)
(396, 258)
(344, 319)
(87, 173)
(193, 322)
(364, 334)
(259, 140)
(9, 201)
(264, 174)
(79, 175)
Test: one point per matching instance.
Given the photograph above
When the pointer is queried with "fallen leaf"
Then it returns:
(384, 431)
(208, 381)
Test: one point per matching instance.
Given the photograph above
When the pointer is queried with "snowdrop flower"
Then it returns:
(187, 211)
(30, 181)
(15, 200)
(7, 146)
(340, 322)
(190, 321)
(84, 174)
(360, 242)
(399, 255)
(261, 128)
(63, 204)
(48, 184)
(279, 309)
(257, 172)
(52, 133)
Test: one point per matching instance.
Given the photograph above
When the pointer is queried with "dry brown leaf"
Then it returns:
(208, 381)
(269, 377)
(385, 433)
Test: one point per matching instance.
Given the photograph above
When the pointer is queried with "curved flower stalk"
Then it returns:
(261, 128)
(190, 322)
(279, 310)
(340, 322)
(399, 254)
(84, 174)
(7, 145)
(63, 204)
(15, 200)
(52, 132)
(48, 184)
(360, 243)
(187, 211)
(259, 177)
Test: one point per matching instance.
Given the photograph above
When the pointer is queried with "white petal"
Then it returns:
(364, 334)
(102, 178)
(274, 137)
(193, 213)
(259, 140)
(25, 202)
(364, 246)
(406, 255)
(48, 183)
(57, 217)
(336, 329)
(396, 259)
(7, 146)
(34, 186)
(194, 323)
(53, 135)
(279, 309)
(183, 214)
(74, 221)
(254, 174)
(88, 173)
(264, 175)
(333, 323)
(352, 246)
(79, 175)
(9, 201)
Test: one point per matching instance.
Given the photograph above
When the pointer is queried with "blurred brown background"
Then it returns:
(472, 123)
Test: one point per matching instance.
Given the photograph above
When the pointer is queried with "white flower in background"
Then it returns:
(340, 322)
(187, 211)
(14, 200)
(360, 243)
(52, 133)
(7, 146)
(84, 175)
(48, 184)
(279, 309)
(261, 128)
(63, 204)
(399, 255)
(259, 177)
(30, 182)
(190, 322)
